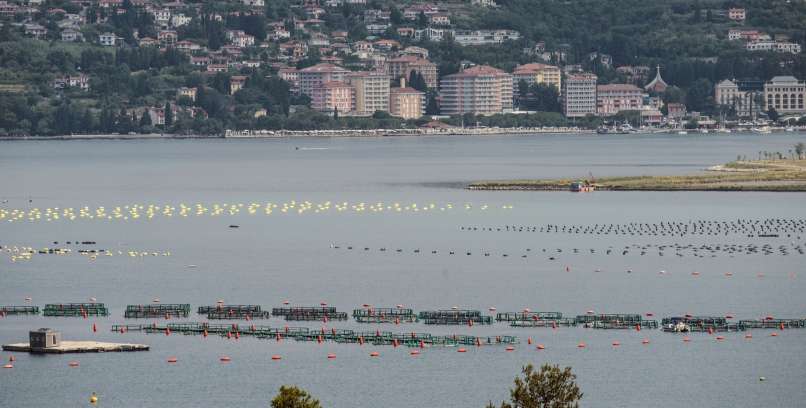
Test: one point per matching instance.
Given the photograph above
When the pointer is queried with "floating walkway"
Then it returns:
(384, 315)
(75, 310)
(18, 310)
(157, 310)
(77, 347)
(454, 317)
(377, 337)
(309, 313)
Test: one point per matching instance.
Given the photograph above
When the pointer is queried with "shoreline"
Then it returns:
(788, 175)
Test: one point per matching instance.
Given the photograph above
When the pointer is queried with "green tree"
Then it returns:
(799, 149)
(550, 387)
(169, 115)
(145, 120)
(293, 397)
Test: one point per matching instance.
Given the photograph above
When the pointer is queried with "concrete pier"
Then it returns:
(77, 347)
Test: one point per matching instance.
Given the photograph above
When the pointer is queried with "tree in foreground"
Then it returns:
(550, 387)
(293, 397)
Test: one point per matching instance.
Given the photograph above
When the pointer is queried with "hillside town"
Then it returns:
(381, 68)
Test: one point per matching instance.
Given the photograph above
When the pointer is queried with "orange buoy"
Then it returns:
(172, 359)
(510, 348)
(331, 356)
(645, 341)
(73, 364)
(719, 338)
(774, 334)
(541, 347)
(374, 354)
(414, 352)
(276, 357)
(225, 359)
(581, 345)
(462, 350)
(529, 340)
(748, 336)
(616, 343)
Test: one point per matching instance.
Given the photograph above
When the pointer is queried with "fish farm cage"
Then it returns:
(454, 317)
(19, 310)
(384, 315)
(75, 310)
(309, 313)
(157, 310)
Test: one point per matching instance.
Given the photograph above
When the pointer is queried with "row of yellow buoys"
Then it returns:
(26, 253)
(150, 211)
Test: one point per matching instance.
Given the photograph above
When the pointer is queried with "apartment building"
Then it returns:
(614, 98)
(370, 91)
(579, 95)
(482, 90)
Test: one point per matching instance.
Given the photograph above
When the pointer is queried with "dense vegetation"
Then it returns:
(686, 37)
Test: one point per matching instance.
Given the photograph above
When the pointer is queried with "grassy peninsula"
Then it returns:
(746, 175)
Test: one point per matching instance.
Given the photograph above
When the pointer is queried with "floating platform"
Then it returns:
(77, 347)
(454, 317)
(18, 310)
(156, 310)
(75, 310)
(384, 315)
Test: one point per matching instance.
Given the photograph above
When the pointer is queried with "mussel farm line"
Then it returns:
(761, 228)
(679, 250)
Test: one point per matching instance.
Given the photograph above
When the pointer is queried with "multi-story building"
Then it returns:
(370, 91)
(777, 46)
(614, 98)
(484, 37)
(406, 103)
(737, 14)
(187, 92)
(482, 90)
(538, 74)
(107, 39)
(785, 94)
(401, 67)
(332, 96)
(579, 95)
(236, 83)
(314, 76)
(746, 35)
(742, 96)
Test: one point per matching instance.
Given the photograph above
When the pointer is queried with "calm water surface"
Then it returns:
(290, 256)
